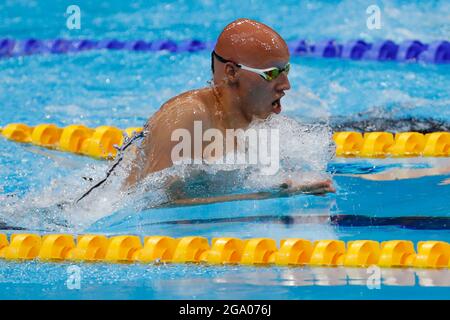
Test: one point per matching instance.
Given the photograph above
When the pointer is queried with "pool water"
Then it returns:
(121, 88)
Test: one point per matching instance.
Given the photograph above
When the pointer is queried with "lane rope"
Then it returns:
(103, 142)
(382, 50)
(225, 250)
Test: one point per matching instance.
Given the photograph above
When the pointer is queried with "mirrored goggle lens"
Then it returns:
(275, 73)
(272, 74)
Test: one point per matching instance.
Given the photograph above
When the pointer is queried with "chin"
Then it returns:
(265, 116)
(262, 116)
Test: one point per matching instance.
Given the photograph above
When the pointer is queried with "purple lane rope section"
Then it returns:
(383, 50)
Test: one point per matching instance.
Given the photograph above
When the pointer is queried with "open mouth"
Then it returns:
(277, 106)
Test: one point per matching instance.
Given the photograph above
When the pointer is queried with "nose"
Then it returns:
(283, 82)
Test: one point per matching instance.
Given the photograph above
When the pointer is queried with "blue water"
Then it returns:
(123, 89)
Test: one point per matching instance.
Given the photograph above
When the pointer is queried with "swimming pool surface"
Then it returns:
(124, 88)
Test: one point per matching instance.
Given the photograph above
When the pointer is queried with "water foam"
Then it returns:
(305, 151)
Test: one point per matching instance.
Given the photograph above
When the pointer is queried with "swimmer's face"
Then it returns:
(255, 45)
(259, 96)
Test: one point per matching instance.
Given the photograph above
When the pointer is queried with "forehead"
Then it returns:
(265, 59)
(262, 53)
(275, 61)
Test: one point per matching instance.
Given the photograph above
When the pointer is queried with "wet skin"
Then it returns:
(236, 98)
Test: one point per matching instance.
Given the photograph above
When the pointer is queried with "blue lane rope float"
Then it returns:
(11, 48)
(382, 50)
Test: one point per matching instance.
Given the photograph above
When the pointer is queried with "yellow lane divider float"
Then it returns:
(382, 144)
(256, 251)
(99, 142)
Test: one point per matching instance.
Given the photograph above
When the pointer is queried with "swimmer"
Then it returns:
(250, 66)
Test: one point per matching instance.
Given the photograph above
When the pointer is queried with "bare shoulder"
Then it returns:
(187, 107)
(180, 112)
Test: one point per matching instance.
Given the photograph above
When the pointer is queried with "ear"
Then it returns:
(231, 73)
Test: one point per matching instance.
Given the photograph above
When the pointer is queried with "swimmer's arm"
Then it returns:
(209, 200)
(286, 189)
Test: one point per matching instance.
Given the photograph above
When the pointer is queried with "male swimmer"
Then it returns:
(250, 65)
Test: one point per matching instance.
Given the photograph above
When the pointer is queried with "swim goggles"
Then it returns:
(268, 74)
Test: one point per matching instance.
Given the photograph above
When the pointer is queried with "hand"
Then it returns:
(317, 188)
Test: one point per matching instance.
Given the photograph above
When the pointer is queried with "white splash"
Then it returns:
(305, 151)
